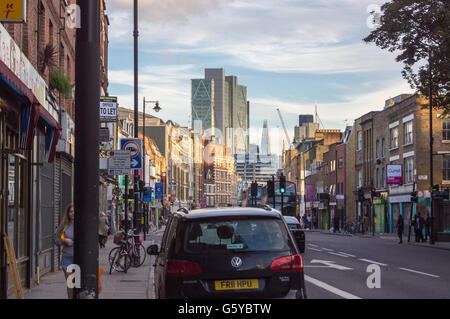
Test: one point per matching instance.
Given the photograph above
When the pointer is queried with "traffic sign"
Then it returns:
(148, 197)
(119, 162)
(134, 145)
(159, 190)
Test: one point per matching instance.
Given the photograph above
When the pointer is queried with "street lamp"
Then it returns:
(156, 109)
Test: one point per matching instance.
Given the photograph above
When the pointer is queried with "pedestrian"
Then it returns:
(400, 228)
(419, 222)
(309, 219)
(65, 237)
(102, 230)
(427, 227)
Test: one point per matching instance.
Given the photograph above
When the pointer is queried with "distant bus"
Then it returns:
(289, 198)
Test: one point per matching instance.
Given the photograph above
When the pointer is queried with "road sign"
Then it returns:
(108, 109)
(148, 198)
(134, 145)
(119, 163)
(159, 190)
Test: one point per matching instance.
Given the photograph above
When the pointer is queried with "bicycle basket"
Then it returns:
(118, 237)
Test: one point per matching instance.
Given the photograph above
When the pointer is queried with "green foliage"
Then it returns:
(420, 31)
(59, 82)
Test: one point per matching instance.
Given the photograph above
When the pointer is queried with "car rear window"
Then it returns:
(250, 234)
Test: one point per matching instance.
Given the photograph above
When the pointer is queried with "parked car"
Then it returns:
(297, 231)
(228, 253)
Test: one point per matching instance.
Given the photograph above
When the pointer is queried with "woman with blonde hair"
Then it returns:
(65, 237)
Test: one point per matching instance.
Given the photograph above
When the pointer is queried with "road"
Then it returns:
(336, 267)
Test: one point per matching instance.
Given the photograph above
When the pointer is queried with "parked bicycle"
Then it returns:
(128, 253)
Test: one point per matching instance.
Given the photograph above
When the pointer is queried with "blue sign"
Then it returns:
(134, 145)
(159, 191)
(148, 198)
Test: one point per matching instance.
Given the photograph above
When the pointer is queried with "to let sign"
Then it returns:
(394, 174)
(13, 11)
(108, 109)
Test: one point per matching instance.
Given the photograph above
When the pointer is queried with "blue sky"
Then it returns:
(291, 55)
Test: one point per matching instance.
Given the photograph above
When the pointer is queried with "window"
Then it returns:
(378, 178)
(383, 177)
(340, 163)
(446, 130)
(446, 169)
(394, 137)
(359, 179)
(408, 126)
(359, 141)
(377, 149)
(383, 148)
(409, 169)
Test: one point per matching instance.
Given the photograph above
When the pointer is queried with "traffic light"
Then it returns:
(141, 185)
(282, 184)
(414, 197)
(254, 189)
(270, 189)
(146, 191)
(360, 195)
(373, 192)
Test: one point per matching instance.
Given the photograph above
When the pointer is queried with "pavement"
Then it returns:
(137, 283)
(388, 236)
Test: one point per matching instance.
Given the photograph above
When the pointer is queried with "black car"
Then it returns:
(227, 253)
(298, 232)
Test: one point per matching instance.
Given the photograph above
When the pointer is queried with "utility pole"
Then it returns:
(87, 119)
(136, 113)
(431, 151)
(143, 172)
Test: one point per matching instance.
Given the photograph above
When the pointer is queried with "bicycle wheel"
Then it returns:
(121, 260)
(138, 255)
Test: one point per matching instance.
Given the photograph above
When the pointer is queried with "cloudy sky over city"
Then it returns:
(291, 55)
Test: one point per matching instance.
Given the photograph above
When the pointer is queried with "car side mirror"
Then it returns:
(152, 250)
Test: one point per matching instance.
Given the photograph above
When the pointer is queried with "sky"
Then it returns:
(291, 55)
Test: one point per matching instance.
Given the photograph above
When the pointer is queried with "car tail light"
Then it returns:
(292, 263)
(180, 268)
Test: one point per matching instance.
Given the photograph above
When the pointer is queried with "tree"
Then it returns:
(420, 31)
(58, 81)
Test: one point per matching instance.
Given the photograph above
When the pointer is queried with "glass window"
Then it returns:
(359, 179)
(446, 169)
(340, 163)
(446, 130)
(359, 141)
(222, 236)
(377, 149)
(394, 137)
(408, 126)
(383, 177)
(409, 169)
(383, 148)
(378, 178)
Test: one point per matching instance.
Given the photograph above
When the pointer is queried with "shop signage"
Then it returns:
(394, 174)
(16, 61)
(103, 135)
(13, 11)
(108, 109)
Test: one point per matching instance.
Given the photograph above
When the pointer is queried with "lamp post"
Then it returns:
(156, 108)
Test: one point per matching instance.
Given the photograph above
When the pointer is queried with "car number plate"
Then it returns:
(236, 284)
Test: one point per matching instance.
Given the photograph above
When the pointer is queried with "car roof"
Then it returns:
(238, 211)
(291, 220)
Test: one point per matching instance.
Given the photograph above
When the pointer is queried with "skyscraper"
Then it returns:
(219, 102)
(265, 139)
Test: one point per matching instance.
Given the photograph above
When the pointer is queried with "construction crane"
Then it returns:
(284, 127)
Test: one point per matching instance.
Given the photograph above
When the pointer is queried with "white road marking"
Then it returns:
(419, 272)
(327, 249)
(330, 288)
(346, 254)
(330, 264)
(372, 262)
(310, 248)
(341, 255)
(312, 245)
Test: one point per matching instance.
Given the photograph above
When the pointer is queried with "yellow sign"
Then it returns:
(13, 11)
